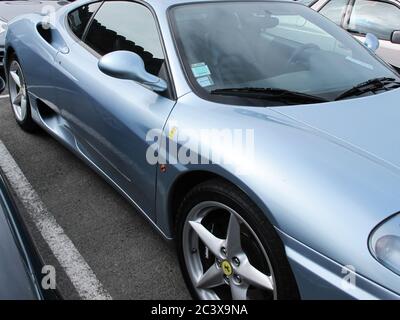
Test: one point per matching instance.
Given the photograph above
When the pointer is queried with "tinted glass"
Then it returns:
(121, 25)
(335, 10)
(269, 45)
(79, 18)
(379, 18)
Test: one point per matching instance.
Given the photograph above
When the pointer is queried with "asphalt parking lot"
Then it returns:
(129, 258)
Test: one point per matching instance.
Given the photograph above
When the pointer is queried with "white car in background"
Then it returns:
(360, 17)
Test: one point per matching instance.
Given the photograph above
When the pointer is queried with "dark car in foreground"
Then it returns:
(20, 264)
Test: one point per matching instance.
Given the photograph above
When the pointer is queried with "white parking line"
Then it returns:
(4, 96)
(75, 266)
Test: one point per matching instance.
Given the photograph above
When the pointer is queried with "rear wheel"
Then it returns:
(19, 96)
(227, 248)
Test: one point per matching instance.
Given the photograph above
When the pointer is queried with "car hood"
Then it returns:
(11, 9)
(369, 125)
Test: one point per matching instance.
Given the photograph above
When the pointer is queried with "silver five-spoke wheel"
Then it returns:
(224, 257)
(17, 90)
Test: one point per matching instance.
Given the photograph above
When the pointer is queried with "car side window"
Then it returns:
(79, 18)
(123, 25)
(335, 10)
(379, 18)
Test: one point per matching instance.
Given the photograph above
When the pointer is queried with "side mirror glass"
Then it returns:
(396, 37)
(2, 85)
(130, 66)
(371, 42)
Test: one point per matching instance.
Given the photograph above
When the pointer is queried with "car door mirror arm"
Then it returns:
(371, 42)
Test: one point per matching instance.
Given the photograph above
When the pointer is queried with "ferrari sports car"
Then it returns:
(306, 207)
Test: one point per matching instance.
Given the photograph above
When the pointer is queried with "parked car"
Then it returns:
(20, 264)
(11, 9)
(309, 212)
(359, 17)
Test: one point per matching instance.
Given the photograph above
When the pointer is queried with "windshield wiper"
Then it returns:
(271, 94)
(372, 85)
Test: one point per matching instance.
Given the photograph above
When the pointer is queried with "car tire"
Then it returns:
(192, 253)
(19, 97)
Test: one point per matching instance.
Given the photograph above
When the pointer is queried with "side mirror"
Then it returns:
(2, 85)
(396, 37)
(130, 66)
(371, 42)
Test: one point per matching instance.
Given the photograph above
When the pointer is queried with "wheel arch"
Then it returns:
(188, 180)
(9, 52)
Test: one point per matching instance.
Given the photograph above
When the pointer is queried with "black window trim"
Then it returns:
(68, 27)
(171, 91)
(88, 25)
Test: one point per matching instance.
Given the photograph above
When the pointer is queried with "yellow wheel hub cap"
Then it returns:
(227, 268)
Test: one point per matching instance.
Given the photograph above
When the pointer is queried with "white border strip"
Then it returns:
(5, 96)
(81, 275)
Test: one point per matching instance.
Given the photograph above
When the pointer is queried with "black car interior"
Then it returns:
(223, 50)
(104, 41)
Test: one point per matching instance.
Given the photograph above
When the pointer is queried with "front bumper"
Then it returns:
(321, 278)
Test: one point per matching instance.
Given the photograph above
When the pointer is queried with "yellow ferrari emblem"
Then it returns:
(226, 268)
(172, 133)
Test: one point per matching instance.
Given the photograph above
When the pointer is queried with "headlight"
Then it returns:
(385, 243)
(3, 26)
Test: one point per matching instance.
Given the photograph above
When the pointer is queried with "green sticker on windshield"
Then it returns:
(200, 70)
(205, 81)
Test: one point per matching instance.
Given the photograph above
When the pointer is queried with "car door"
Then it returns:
(380, 18)
(111, 117)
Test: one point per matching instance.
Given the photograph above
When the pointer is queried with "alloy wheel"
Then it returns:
(17, 91)
(224, 257)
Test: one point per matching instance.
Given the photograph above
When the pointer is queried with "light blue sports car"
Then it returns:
(258, 134)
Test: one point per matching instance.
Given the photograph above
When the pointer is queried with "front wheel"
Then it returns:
(228, 249)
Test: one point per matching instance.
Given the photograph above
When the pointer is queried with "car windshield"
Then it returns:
(269, 45)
